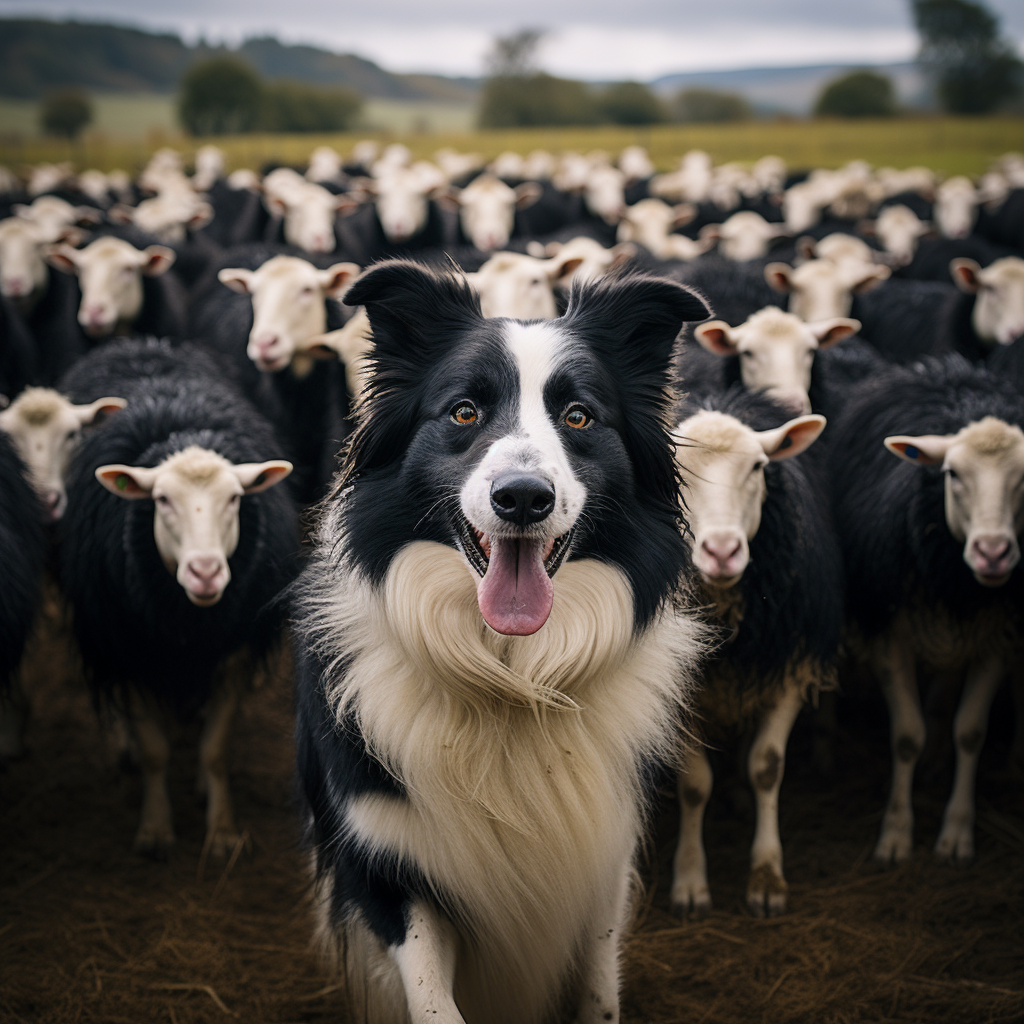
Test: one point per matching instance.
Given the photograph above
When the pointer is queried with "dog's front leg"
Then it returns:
(426, 963)
(599, 996)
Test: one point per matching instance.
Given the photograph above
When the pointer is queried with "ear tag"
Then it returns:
(121, 483)
(911, 452)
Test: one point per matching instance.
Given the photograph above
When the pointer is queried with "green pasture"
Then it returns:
(128, 128)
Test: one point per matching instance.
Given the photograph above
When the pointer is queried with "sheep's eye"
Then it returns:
(951, 473)
(162, 499)
(578, 417)
(464, 413)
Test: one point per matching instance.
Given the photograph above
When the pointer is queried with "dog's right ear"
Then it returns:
(412, 309)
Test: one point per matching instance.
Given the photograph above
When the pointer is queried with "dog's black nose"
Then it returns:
(522, 499)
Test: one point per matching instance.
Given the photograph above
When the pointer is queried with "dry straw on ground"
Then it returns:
(91, 933)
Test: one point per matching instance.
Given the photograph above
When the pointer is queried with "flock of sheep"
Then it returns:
(179, 342)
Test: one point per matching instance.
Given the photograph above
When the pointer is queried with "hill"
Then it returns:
(793, 90)
(37, 56)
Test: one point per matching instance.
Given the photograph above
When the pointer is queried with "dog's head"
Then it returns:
(519, 443)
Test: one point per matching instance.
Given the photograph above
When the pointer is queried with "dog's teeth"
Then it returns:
(549, 546)
(485, 544)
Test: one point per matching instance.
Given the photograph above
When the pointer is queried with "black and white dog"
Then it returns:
(491, 653)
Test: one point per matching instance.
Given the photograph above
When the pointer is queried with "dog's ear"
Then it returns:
(634, 321)
(412, 309)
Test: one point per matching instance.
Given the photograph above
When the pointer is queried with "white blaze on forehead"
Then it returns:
(998, 315)
(984, 490)
(196, 495)
(46, 428)
(533, 444)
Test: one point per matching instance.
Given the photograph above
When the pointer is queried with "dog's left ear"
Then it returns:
(633, 320)
(412, 309)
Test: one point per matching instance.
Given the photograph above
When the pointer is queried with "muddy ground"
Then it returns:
(90, 932)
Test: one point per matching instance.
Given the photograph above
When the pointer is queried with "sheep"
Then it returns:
(930, 543)
(172, 552)
(907, 319)
(46, 428)
(772, 351)
(123, 288)
(746, 235)
(899, 229)
(18, 357)
(821, 288)
(22, 559)
(487, 209)
(769, 573)
(650, 223)
(523, 287)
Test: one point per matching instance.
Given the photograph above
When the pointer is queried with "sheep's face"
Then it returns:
(196, 495)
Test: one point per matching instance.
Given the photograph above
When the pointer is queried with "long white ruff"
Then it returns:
(520, 757)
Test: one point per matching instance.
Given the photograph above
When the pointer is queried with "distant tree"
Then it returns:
(630, 103)
(709, 105)
(65, 113)
(973, 69)
(295, 107)
(515, 56)
(858, 94)
(536, 100)
(220, 96)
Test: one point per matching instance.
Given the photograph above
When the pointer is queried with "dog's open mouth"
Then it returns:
(515, 592)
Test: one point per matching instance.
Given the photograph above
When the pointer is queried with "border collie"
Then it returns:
(491, 650)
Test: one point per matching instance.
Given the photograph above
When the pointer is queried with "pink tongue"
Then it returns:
(516, 593)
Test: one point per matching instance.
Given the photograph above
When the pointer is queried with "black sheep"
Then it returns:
(22, 557)
(930, 550)
(171, 591)
(770, 576)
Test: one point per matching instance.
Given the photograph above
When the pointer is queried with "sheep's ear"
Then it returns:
(238, 279)
(336, 279)
(121, 214)
(779, 276)
(127, 481)
(527, 194)
(965, 273)
(259, 476)
(792, 438)
(62, 257)
(716, 336)
(829, 332)
(683, 213)
(157, 260)
(101, 407)
(806, 246)
(925, 450)
(201, 216)
(870, 278)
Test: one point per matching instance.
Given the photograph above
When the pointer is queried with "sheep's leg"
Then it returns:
(156, 834)
(690, 892)
(426, 965)
(956, 840)
(899, 685)
(1017, 750)
(766, 889)
(221, 833)
(599, 995)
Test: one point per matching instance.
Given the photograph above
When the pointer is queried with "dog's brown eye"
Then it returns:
(578, 417)
(464, 413)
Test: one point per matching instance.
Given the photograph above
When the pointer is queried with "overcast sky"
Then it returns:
(595, 39)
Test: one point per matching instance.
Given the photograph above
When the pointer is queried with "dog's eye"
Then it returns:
(464, 413)
(578, 417)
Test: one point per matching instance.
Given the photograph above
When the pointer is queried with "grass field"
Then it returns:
(128, 128)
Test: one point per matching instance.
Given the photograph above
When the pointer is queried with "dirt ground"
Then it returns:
(89, 932)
